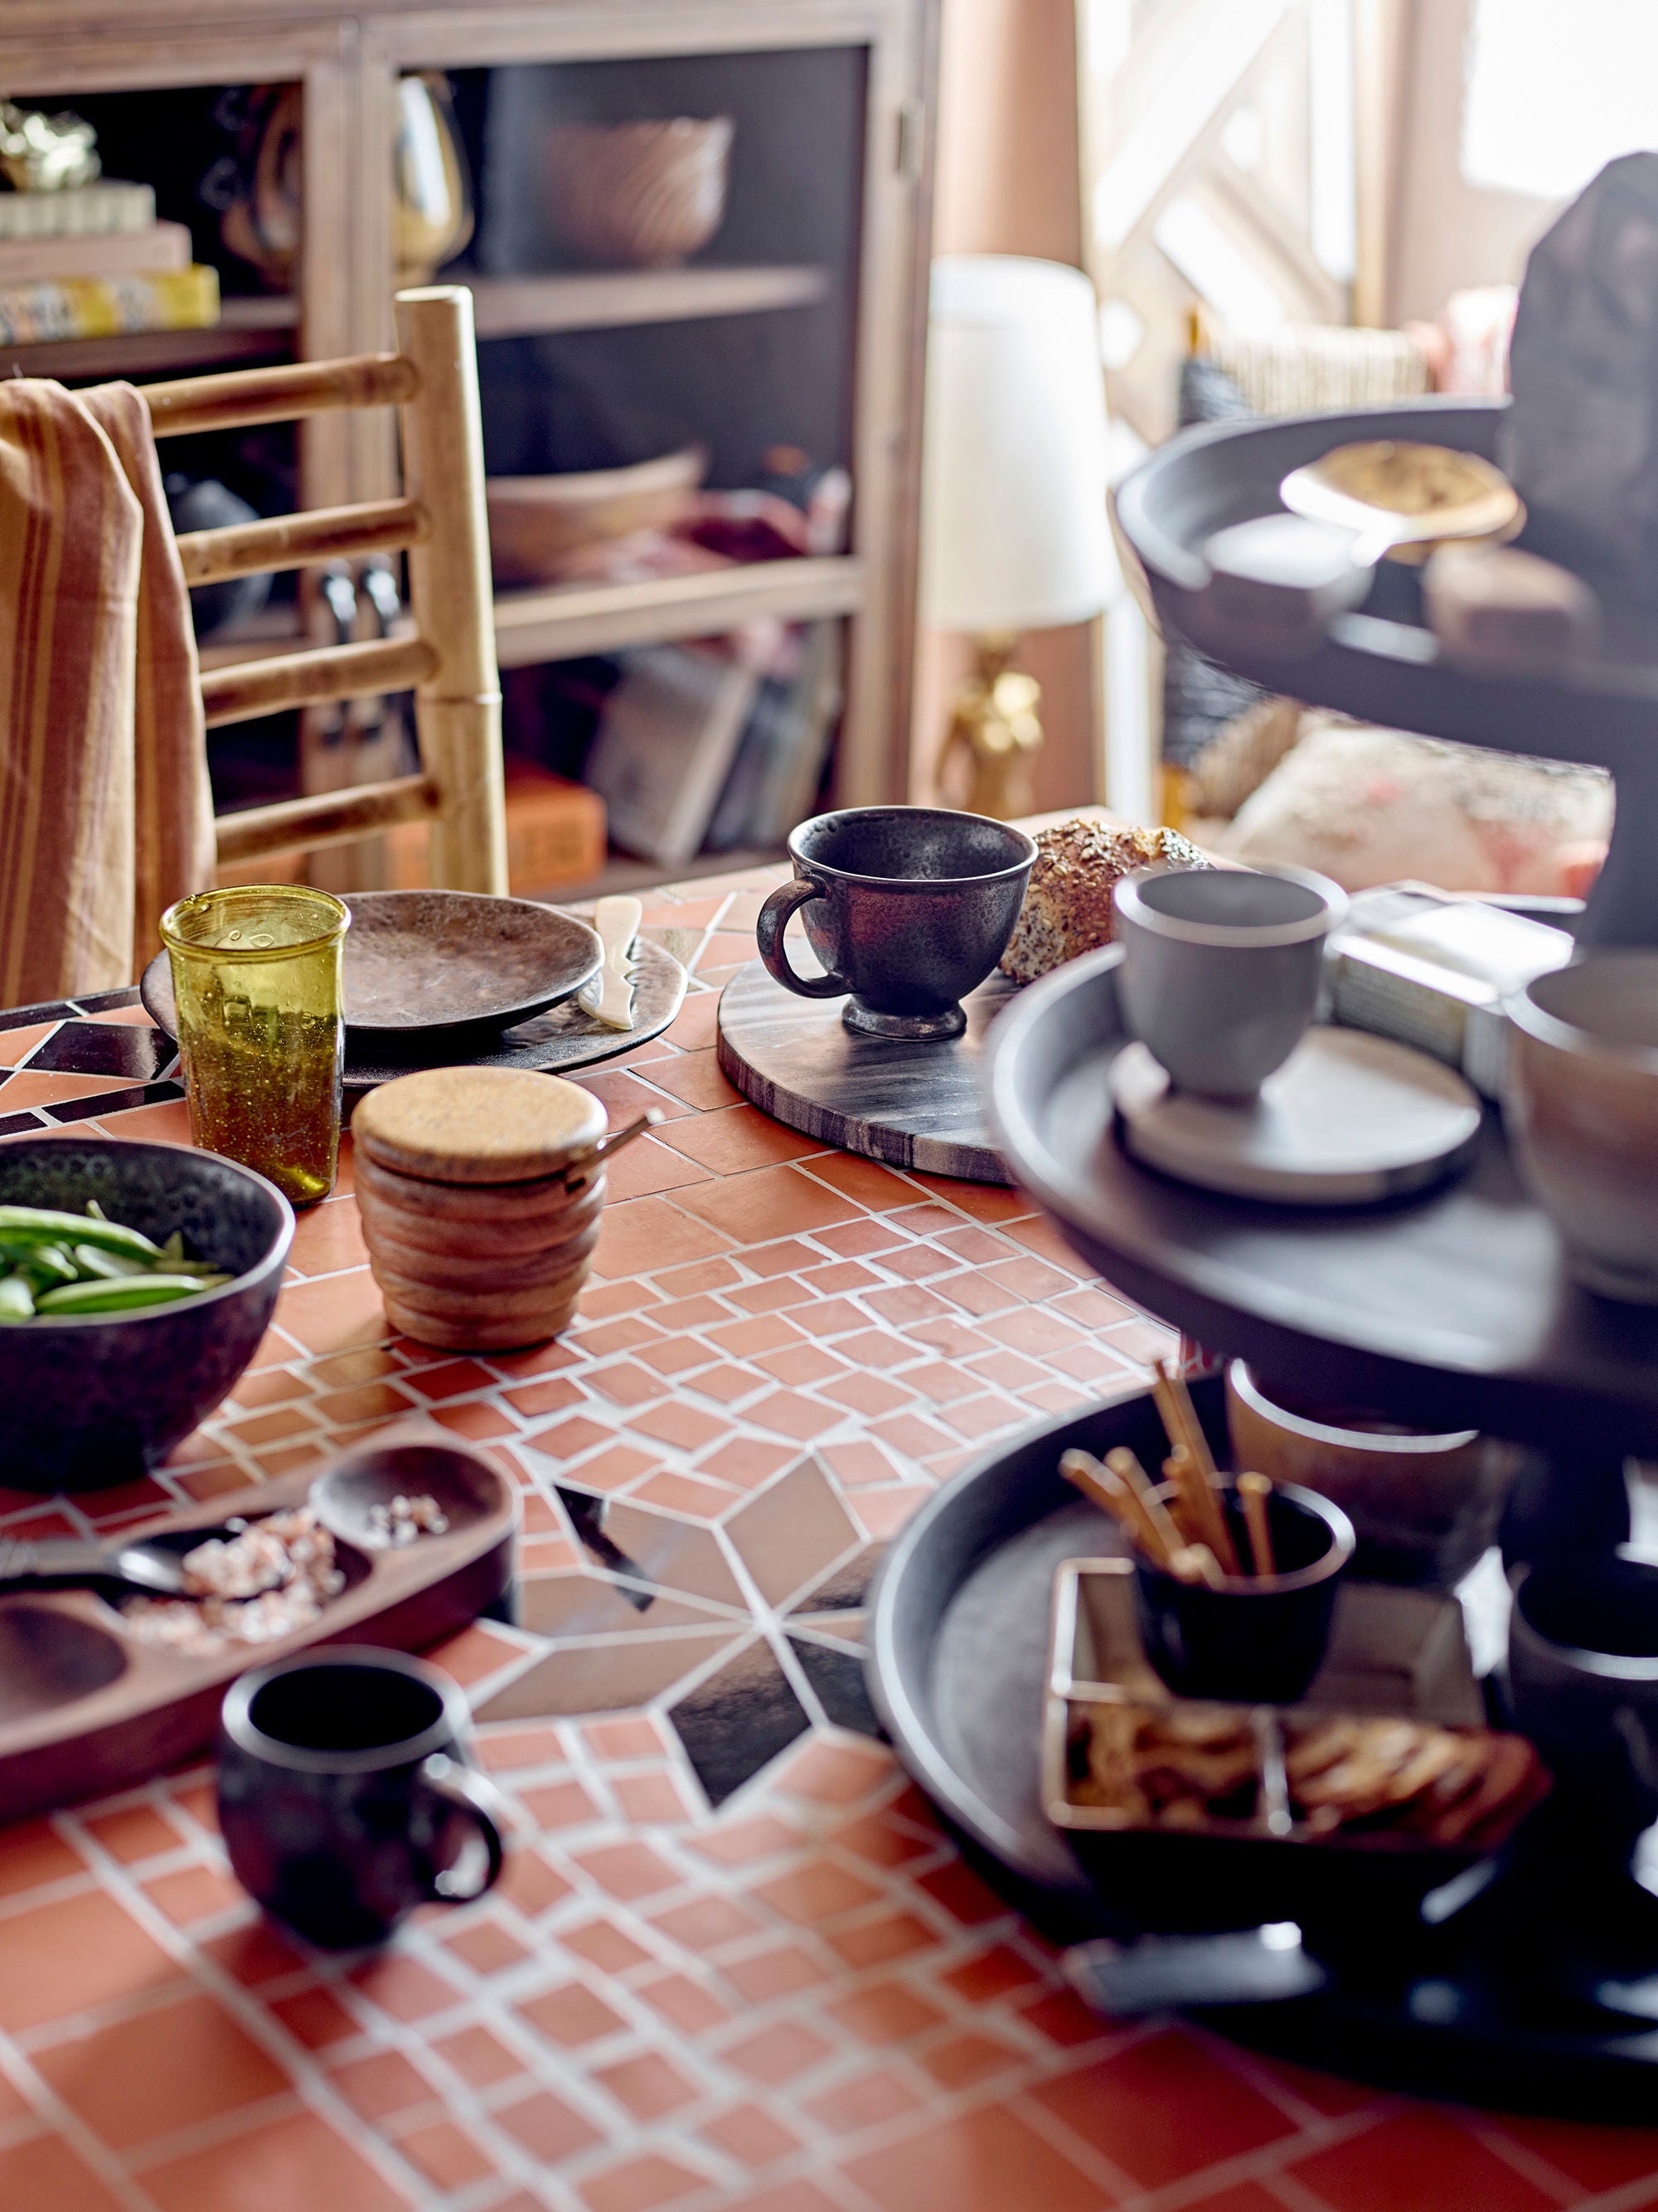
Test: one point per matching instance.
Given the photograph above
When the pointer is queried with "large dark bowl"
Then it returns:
(101, 1398)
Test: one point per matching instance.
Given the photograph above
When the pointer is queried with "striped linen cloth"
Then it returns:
(106, 816)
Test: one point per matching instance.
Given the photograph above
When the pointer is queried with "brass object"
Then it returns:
(1402, 498)
(432, 194)
(995, 734)
(46, 153)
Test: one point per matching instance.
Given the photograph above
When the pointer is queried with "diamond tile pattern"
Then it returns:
(734, 1966)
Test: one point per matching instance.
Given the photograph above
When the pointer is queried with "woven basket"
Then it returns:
(638, 195)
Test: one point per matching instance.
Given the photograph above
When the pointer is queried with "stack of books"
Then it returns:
(96, 261)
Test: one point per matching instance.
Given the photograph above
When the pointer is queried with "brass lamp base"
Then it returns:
(993, 735)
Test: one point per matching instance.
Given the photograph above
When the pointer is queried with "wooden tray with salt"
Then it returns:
(89, 1703)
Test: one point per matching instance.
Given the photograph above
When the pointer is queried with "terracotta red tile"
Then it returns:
(253, 1954)
(1143, 1342)
(835, 1773)
(992, 1975)
(882, 1513)
(625, 1095)
(650, 1799)
(299, 2160)
(728, 1385)
(193, 1893)
(781, 1293)
(799, 2195)
(64, 1957)
(706, 1922)
(817, 1890)
(315, 2017)
(787, 1413)
(888, 2013)
(680, 1314)
(269, 1387)
(648, 2085)
(277, 1426)
(644, 1234)
(599, 1301)
(1040, 1235)
(43, 2172)
(485, 1947)
(1062, 2016)
(135, 1832)
(960, 1891)
(475, 1421)
(685, 1427)
(33, 1853)
(733, 1138)
(675, 1355)
(546, 2126)
(745, 1461)
(742, 1339)
(337, 1314)
(481, 2059)
(967, 2059)
(983, 2161)
(684, 1494)
(165, 2069)
(778, 1972)
(988, 1416)
(875, 1942)
(640, 2183)
(802, 1366)
(1596, 2158)
(843, 1275)
(918, 1262)
(451, 1378)
(636, 1735)
(766, 1203)
(1164, 2109)
(752, 2134)
(474, 1654)
(690, 2007)
(603, 1944)
(328, 1237)
(1248, 2196)
(693, 1027)
(570, 2015)
(550, 1396)
(866, 2100)
(1422, 2158)
(446, 2155)
(649, 1165)
(703, 1276)
(777, 2053)
(368, 1401)
(869, 1394)
(855, 1464)
(45, 1087)
(403, 1986)
(1328, 2094)
(877, 1348)
(627, 1871)
(866, 1181)
(975, 1292)
(569, 1439)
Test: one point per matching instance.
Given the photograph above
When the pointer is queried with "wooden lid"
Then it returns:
(477, 1124)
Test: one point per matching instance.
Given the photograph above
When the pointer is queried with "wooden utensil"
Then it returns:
(1179, 1418)
(1254, 1491)
(153, 1565)
(1394, 492)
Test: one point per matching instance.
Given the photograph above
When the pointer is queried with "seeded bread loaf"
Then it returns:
(1067, 909)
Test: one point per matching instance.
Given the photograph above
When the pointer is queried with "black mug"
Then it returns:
(346, 1796)
(908, 909)
(1256, 1639)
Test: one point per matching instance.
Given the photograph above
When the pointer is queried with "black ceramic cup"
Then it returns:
(1256, 1640)
(908, 909)
(346, 1796)
(1584, 1683)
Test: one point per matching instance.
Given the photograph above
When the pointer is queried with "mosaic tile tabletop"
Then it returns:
(734, 1963)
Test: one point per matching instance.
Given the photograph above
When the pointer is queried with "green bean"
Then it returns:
(49, 1264)
(16, 1300)
(36, 1224)
(99, 1296)
(115, 1267)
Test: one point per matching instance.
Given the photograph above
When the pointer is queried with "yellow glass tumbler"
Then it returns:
(257, 973)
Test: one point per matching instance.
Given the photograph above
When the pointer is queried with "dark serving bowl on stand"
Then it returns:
(90, 1399)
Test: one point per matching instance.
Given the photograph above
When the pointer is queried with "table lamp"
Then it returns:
(1014, 534)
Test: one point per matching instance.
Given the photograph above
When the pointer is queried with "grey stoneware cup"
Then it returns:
(908, 909)
(1222, 969)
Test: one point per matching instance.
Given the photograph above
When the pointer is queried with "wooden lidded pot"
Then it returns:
(481, 1194)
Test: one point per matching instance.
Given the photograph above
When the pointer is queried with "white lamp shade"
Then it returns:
(1014, 534)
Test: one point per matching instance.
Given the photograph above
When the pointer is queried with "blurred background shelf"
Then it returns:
(516, 306)
(570, 619)
(248, 331)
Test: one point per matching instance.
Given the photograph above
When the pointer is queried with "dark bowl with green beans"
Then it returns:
(135, 1282)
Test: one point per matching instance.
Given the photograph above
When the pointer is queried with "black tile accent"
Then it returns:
(112, 1101)
(587, 1515)
(18, 1125)
(104, 1048)
(104, 1002)
(738, 1720)
(837, 1676)
(20, 1018)
(844, 1589)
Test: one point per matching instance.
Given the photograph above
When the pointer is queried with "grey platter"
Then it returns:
(912, 1105)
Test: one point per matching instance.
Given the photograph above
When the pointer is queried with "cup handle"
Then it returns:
(464, 1792)
(768, 933)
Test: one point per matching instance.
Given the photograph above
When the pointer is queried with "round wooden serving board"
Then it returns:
(910, 1105)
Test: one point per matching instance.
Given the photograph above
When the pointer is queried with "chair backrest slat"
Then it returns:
(291, 541)
(242, 398)
(252, 688)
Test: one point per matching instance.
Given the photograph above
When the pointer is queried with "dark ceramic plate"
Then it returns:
(432, 964)
(555, 1042)
(1488, 2006)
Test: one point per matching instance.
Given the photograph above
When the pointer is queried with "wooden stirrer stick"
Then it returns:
(1179, 1418)
(1197, 1564)
(1118, 1498)
(1129, 1471)
(1254, 1491)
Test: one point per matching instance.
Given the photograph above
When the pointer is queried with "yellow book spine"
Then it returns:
(101, 306)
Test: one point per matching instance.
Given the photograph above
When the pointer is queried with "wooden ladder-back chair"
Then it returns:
(449, 659)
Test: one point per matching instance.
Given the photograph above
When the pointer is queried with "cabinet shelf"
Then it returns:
(566, 620)
(610, 299)
(248, 332)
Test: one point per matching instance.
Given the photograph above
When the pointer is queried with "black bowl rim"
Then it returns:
(274, 1260)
